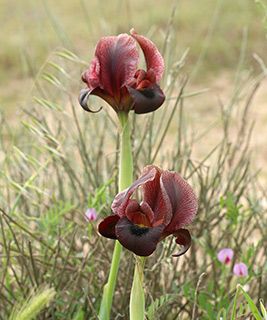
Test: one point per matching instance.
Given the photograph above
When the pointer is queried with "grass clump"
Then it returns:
(33, 305)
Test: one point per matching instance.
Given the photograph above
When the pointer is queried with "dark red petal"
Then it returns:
(154, 194)
(118, 58)
(183, 200)
(91, 76)
(183, 238)
(139, 240)
(85, 93)
(153, 58)
(147, 100)
(107, 226)
(121, 200)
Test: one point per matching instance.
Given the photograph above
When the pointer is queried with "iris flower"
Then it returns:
(169, 203)
(113, 77)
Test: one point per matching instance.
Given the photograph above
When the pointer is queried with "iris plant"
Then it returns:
(113, 76)
(169, 204)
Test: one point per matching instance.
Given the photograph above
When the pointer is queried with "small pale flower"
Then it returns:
(90, 215)
(225, 255)
(240, 269)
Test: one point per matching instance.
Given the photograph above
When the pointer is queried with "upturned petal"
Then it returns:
(155, 195)
(118, 58)
(183, 200)
(140, 240)
(146, 100)
(152, 55)
(121, 200)
(107, 226)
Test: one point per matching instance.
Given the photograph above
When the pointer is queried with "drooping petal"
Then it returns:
(122, 199)
(86, 92)
(152, 55)
(118, 58)
(183, 238)
(183, 200)
(146, 100)
(107, 226)
(141, 241)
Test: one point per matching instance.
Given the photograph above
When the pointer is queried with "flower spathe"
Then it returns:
(113, 76)
(169, 203)
(225, 255)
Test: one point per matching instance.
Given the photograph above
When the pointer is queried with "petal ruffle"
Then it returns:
(183, 238)
(118, 58)
(146, 100)
(183, 200)
(107, 226)
(152, 55)
(141, 241)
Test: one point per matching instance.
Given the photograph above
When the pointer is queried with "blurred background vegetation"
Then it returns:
(56, 160)
(213, 30)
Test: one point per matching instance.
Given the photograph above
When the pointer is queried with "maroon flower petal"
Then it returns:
(84, 96)
(183, 200)
(141, 241)
(147, 100)
(107, 226)
(121, 200)
(153, 58)
(118, 58)
(155, 195)
(183, 238)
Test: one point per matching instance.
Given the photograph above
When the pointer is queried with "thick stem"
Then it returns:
(137, 300)
(125, 180)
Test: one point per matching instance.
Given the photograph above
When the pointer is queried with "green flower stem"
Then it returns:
(125, 180)
(137, 300)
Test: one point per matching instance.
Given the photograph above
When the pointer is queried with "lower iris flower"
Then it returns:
(169, 203)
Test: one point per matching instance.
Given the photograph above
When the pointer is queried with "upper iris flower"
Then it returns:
(113, 77)
(169, 203)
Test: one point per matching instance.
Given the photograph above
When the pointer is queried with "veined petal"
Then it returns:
(183, 238)
(141, 241)
(118, 58)
(121, 200)
(107, 226)
(183, 200)
(152, 55)
(155, 195)
(146, 100)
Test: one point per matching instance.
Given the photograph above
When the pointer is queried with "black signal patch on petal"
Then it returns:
(146, 100)
(140, 240)
(138, 231)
